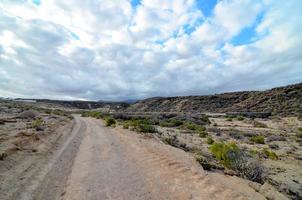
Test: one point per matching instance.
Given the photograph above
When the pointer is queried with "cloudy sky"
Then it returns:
(132, 49)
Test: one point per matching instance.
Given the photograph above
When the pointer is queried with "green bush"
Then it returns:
(191, 126)
(259, 139)
(38, 124)
(210, 140)
(140, 125)
(253, 152)
(125, 125)
(202, 133)
(269, 154)
(238, 160)
(109, 121)
(222, 151)
(229, 119)
(146, 128)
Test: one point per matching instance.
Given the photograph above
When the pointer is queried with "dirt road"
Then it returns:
(101, 163)
(118, 164)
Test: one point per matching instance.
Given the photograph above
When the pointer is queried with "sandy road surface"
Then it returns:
(119, 164)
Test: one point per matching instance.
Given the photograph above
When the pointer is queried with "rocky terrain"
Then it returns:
(283, 101)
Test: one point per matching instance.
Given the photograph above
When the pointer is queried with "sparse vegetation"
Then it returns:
(299, 133)
(125, 125)
(240, 118)
(259, 139)
(140, 125)
(235, 134)
(202, 133)
(146, 128)
(269, 154)
(171, 123)
(236, 159)
(210, 140)
(38, 124)
(222, 151)
(259, 124)
(109, 121)
(94, 114)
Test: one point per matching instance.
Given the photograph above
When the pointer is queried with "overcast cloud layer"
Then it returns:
(118, 49)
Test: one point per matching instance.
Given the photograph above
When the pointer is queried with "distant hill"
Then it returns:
(285, 101)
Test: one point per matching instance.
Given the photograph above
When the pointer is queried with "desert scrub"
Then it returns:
(191, 126)
(206, 119)
(240, 118)
(238, 160)
(202, 133)
(222, 151)
(236, 134)
(253, 152)
(125, 125)
(299, 133)
(141, 125)
(146, 128)
(94, 114)
(229, 119)
(210, 140)
(109, 121)
(269, 154)
(171, 123)
(259, 124)
(259, 139)
(38, 124)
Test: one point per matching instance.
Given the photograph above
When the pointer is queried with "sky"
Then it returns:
(134, 49)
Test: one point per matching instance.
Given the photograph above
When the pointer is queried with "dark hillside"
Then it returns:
(286, 101)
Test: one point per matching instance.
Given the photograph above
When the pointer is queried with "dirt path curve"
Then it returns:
(119, 164)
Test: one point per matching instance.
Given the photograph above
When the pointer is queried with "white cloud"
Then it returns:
(110, 50)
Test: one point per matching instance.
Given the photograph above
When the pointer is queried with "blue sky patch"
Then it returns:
(206, 6)
(37, 2)
(135, 3)
(248, 34)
